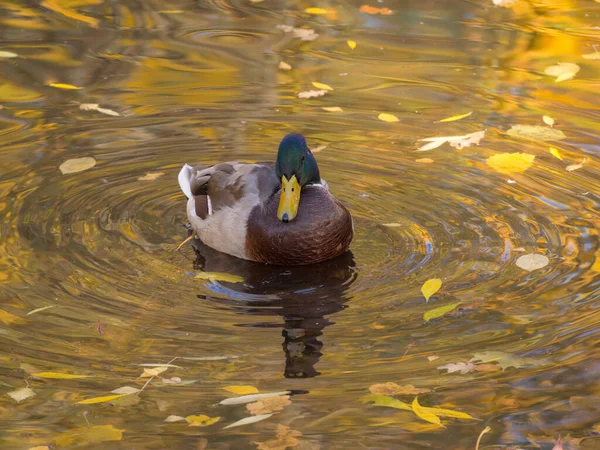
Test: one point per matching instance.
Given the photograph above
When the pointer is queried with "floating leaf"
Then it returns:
(64, 86)
(241, 390)
(284, 66)
(461, 367)
(548, 120)
(126, 390)
(536, 132)
(505, 3)
(219, 276)
(96, 107)
(106, 398)
(432, 358)
(269, 405)
(77, 165)
(248, 420)
(532, 262)
(371, 10)
(39, 447)
(595, 55)
(69, 9)
(322, 86)
(151, 176)
(310, 94)
(318, 149)
(453, 118)
(333, 109)
(387, 117)
(562, 71)
(89, 435)
(506, 360)
(508, 163)
(572, 167)
(201, 420)
(155, 371)
(430, 287)
(58, 376)
(425, 415)
(21, 394)
(554, 152)
(458, 142)
(39, 310)
(251, 398)
(4, 54)
(424, 160)
(315, 11)
(395, 389)
(351, 44)
(384, 400)
(175, 419)
(439, 312)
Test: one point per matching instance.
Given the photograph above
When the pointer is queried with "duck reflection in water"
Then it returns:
(304, 296)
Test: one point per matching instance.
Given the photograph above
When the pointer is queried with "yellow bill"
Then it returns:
(289, 199)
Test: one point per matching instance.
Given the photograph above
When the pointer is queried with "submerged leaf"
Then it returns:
(201, 420)
(269, 405)
(106, 398)
(250, 398)
(508, 163)
(315, 11)
(558, 445)
(425, 415)
(77, 165)
(126, 390)
(21, 394)
(441, 412)
(554, 152)
(58, 376)
(241, 390)
(5, 54)
(562, 71)
(453, 118)
(391, 388)
(536, 132)
(284, 66)
(322, 86)
(172, 418)
(248, 420)
(89, 435)
(532, 262)
(312, 93)
(430, 287)
(285, 438)
(439, 312)
(219, 276)
(387, 117)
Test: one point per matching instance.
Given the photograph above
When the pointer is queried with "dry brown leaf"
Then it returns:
(269, 405)
(371, 10)
(487, 367)
(312, 93)
(572, 167)
(391, 388)
(285, 438)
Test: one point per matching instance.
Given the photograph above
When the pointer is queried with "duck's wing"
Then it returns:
(227, 185)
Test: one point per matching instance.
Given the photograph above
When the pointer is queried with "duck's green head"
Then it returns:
(296, 168)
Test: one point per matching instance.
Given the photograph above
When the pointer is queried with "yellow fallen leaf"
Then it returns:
(201, 420)
(453, 118)
(439, 312)
(425, 415)
(430, 287)
(106, 398)
(322, 86)
(153, 372)
(572, 167)
(352, 44)
(387, 117)
(151, 176)
(284, 66)
(532, 261)
(554, 152)
(64, 86)
(89, 435)
(70, 9)
(507, 163)
(58, 376)
(536, 132)
(458, 142)
(219, 276)
(315, 11)
(242, 390)
(21, 394)
(562, 71)
(548, 120)
(77, 165)
(424, 160)
(333, 109)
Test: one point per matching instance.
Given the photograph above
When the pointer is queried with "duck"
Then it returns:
(278, 213)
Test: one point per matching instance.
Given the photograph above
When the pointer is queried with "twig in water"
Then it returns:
(192, 236)
(485, 430)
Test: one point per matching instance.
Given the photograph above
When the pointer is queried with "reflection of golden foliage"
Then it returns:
(69, 8)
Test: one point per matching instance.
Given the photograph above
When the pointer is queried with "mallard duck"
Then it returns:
(280, 213)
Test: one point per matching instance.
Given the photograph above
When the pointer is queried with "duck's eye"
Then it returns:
(302, 159)
(292, 189)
